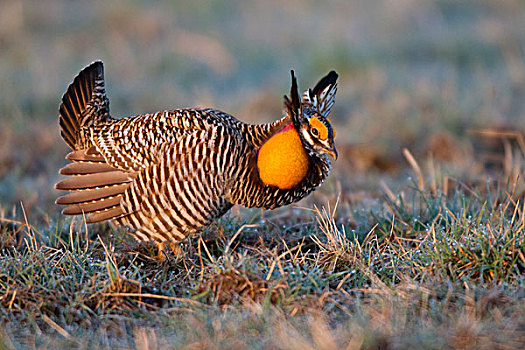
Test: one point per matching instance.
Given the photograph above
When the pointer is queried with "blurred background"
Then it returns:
(435, 77)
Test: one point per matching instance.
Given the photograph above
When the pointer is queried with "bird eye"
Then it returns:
(318, 129)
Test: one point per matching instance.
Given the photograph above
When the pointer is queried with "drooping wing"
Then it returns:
(96, 187)
(322, 96)
(184, 191)
(126, 149)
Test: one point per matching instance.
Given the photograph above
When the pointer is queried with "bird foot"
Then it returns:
(167, 247)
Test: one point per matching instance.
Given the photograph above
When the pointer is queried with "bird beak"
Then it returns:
(332, 152)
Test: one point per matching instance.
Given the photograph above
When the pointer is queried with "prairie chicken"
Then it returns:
(168, 174)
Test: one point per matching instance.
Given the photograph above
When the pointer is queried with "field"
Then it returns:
(417, 239)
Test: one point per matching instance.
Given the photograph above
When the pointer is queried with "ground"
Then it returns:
(416, 240)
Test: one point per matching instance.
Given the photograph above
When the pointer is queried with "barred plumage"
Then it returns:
(167, 175)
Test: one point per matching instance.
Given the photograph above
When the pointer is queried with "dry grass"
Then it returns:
(433, 271)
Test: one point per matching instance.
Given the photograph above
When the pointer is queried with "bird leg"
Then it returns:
(164, 247)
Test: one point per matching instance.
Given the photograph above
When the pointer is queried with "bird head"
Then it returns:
(310, 112)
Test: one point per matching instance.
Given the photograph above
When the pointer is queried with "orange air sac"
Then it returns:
(282, 160)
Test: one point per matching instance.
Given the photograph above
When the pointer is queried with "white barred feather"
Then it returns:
(169, 174)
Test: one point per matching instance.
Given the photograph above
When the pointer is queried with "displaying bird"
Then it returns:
(169, 174)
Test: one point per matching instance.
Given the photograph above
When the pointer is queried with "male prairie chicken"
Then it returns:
(168, 174)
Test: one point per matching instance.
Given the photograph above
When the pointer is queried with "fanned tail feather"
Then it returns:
(97, 187)
(84, 104)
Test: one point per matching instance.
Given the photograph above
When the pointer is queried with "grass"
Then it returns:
(415, 241)
(433, 271)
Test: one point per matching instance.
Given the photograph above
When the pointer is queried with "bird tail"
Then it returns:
(84, 104)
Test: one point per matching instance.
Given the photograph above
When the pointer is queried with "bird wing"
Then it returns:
(119, 175)
(184, 190)
(132, 144)
(96, 186)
